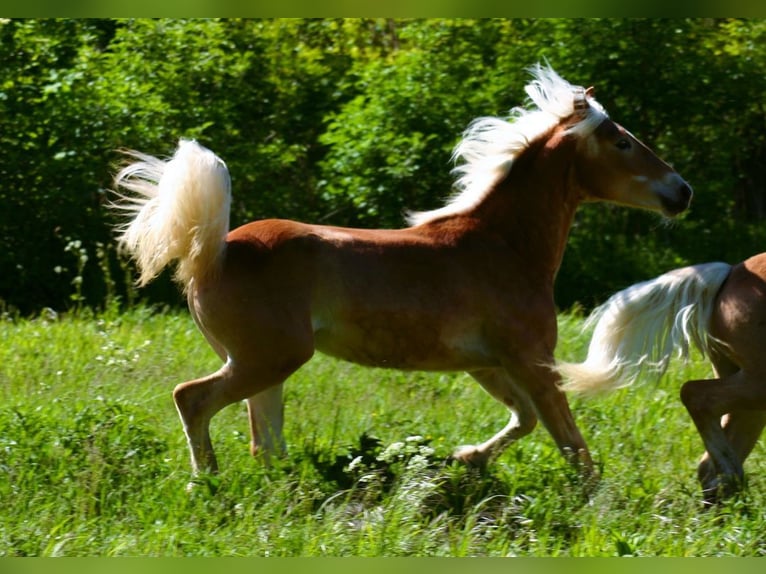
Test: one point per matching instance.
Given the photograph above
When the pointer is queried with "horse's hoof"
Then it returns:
(204, 483)
(469, 455)
(721, 487)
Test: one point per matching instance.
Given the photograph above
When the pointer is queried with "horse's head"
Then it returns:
(612, 165)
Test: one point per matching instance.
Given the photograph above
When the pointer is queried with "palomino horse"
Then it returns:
(719, 309)
(466, 287)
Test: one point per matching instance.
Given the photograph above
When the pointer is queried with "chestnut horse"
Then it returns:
(719, 309)
(466, 287)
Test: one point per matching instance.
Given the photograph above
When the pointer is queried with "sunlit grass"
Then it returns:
(93, 460)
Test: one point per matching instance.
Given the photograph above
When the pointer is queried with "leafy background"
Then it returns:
(351, 122)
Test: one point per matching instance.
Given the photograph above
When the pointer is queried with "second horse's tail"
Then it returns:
(179, 211)
(642, 326)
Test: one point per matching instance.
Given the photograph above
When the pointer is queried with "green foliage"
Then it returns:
(352, 121)
(93, 461)
(389, 147)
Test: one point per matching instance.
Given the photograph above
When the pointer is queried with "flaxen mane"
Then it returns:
(490, 144)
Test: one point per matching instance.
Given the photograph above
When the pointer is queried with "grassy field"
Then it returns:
(93, 461)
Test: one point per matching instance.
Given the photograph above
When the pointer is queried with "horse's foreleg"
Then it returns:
(550, 404)
(498, 383)
(707, 401)
(266, 412)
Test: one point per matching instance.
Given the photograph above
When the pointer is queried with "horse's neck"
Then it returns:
(533, 207)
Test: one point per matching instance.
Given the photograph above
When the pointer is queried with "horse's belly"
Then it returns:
(414, 348)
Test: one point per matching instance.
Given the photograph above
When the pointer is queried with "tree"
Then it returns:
(352, 121)
(390, 145)
(48, 168)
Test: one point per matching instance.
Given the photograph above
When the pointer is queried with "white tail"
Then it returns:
(641, 327)
(179, 210)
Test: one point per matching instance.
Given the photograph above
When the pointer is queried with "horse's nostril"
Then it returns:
(678, 203)
(686, 192)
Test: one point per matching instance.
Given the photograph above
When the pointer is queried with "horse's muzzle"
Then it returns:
(679, 202)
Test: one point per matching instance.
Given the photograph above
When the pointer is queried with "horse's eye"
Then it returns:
(623, 144)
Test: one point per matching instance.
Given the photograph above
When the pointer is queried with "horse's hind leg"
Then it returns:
(707, 402)
(265, 410)
(742, 430)
(262, 346)
(499, 385)
(198, 401)
(266, 413)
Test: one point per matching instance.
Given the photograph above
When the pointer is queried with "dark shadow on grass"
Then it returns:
(369, 471)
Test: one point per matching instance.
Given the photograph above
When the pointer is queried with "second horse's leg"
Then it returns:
(707, 401)
(742, 430)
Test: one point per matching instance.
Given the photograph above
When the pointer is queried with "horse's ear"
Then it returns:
(580, 103)
(590, 92)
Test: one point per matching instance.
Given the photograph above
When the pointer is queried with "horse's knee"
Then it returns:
(549, 401)
(692, 397)
(551, 406)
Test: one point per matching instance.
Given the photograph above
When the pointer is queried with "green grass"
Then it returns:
(93, 461)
